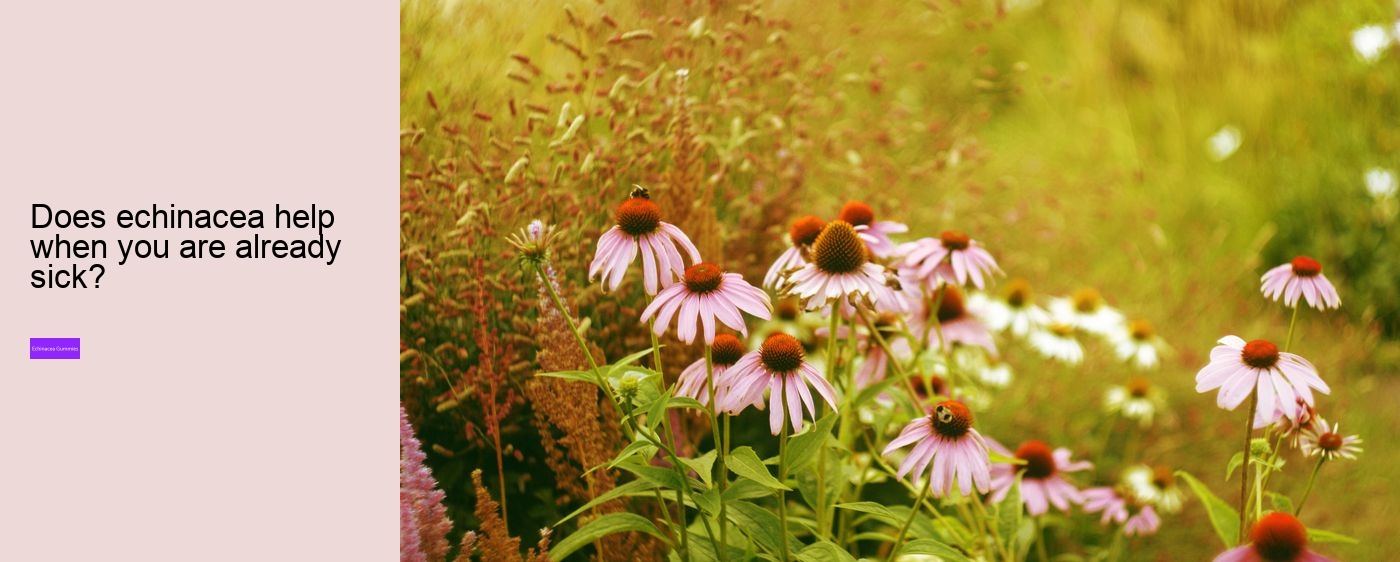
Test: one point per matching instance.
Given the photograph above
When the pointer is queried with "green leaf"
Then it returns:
(663, 477)
(802, 449)
(685, 402)
(1321, 536)
(656, 408)
(745, 490)
(1280, 502)
(628, 489)
(930, 547)
(707, 501)
(601, 527)
(824, 551)
(1009, 515)
(999, 458)
(1234, 465)
(759, 523)
(704, 465)
(1223, 517)
(879, 511)
(870, 392)
(642, 447)
(620, 364)
(584, 376)
(744, 462)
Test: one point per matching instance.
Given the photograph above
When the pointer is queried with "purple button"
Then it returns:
(55, 348)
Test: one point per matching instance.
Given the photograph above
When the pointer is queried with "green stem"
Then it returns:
(991, 530)
(1040, 539)
(722, 450)
(914, 510)
(782, 478)
(1297, 511)
(1288, 344)
(1115, 551)
(1244, 474)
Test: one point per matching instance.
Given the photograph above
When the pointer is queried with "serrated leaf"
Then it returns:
(630, 488)
(824, 551)
(1223, 518)
(601, 527)
(879, 511)
(744, 462)
(1280, 502)
(1321, 536)
(802, 449)
(1009, 515)
(930, 547)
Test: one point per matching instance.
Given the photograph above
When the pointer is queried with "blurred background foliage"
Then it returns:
(1166, 153)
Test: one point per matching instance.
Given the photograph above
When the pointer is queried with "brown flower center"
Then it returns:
(1260, 354)
(1330, 442)
(837, 249)
(951, 419)
(1304, 266)
(638, 216)
(1086, 300)
(1139, 386)
(781, 353)
(1062, 330)
(1040, 460)
(727, 350)
(1018, 293)
(954, 240)
(1162, 478)
(1278, 537)
(857, 213)
(950, 306)
(788, 309)
(703, 277)
(804, 231)
(1141, 330)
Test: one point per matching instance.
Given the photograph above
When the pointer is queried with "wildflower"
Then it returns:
(1380, 183)
(1137, 400)
(1015, 310)
(1136, 343)
(1041, 482)
(423, 521)
(533, 241)
(801, 235)
(724, 353)
(839, 269)
(1155, 486)
(1300, 277)
(1086, 310)
(1290, 428)
(1057, 342)
(1276, 537)
(1119, 510)
(950, 445)
(1326, 440)
(876, 235)
(954, 258)
(955, 323)
(876, 363)
(778, 366)
(1238, 368)
(705, 295)
(639, 227)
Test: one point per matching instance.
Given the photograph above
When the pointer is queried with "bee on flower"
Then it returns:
(947, 447)
(639, 229)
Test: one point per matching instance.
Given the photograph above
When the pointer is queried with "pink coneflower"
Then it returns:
(706, 295)
(1302, 276)
(954, 258)
(1326, 440)
(876, 363)
(724, 353)
(639, 227)
(1288, 427)
(875, 234)
(1116, 509)
(948, 443)
(1276, 537)
(801, 235)
(840, 269)
(778, 366)
(1237, 368)
(1041, 482)
(958, 326)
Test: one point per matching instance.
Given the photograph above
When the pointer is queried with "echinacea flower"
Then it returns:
(1137, 344)
(1138, 400)
(1327, 441)
(946, 442)
(1119, 509)
(724, 353)
(953, 257)
(1289, 428)
(1276, 537)
(1015, 311)
(1155, 486)
(777, 366)
(1238, 368)
(1300, 277)
(1042, 483)
(639, 228)
(1056, 341)
(801, 235)
(876, 362)
(1086, 310)
(875, 234)
(706, 295)
(840, 269)
(956, 325)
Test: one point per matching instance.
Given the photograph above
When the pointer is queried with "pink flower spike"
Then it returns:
(639, 229)
(779, 367)
(1300, 277)
(706, 295)
(947, 447)
(1281, 379)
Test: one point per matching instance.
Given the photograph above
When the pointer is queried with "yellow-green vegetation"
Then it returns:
(1070, 138)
